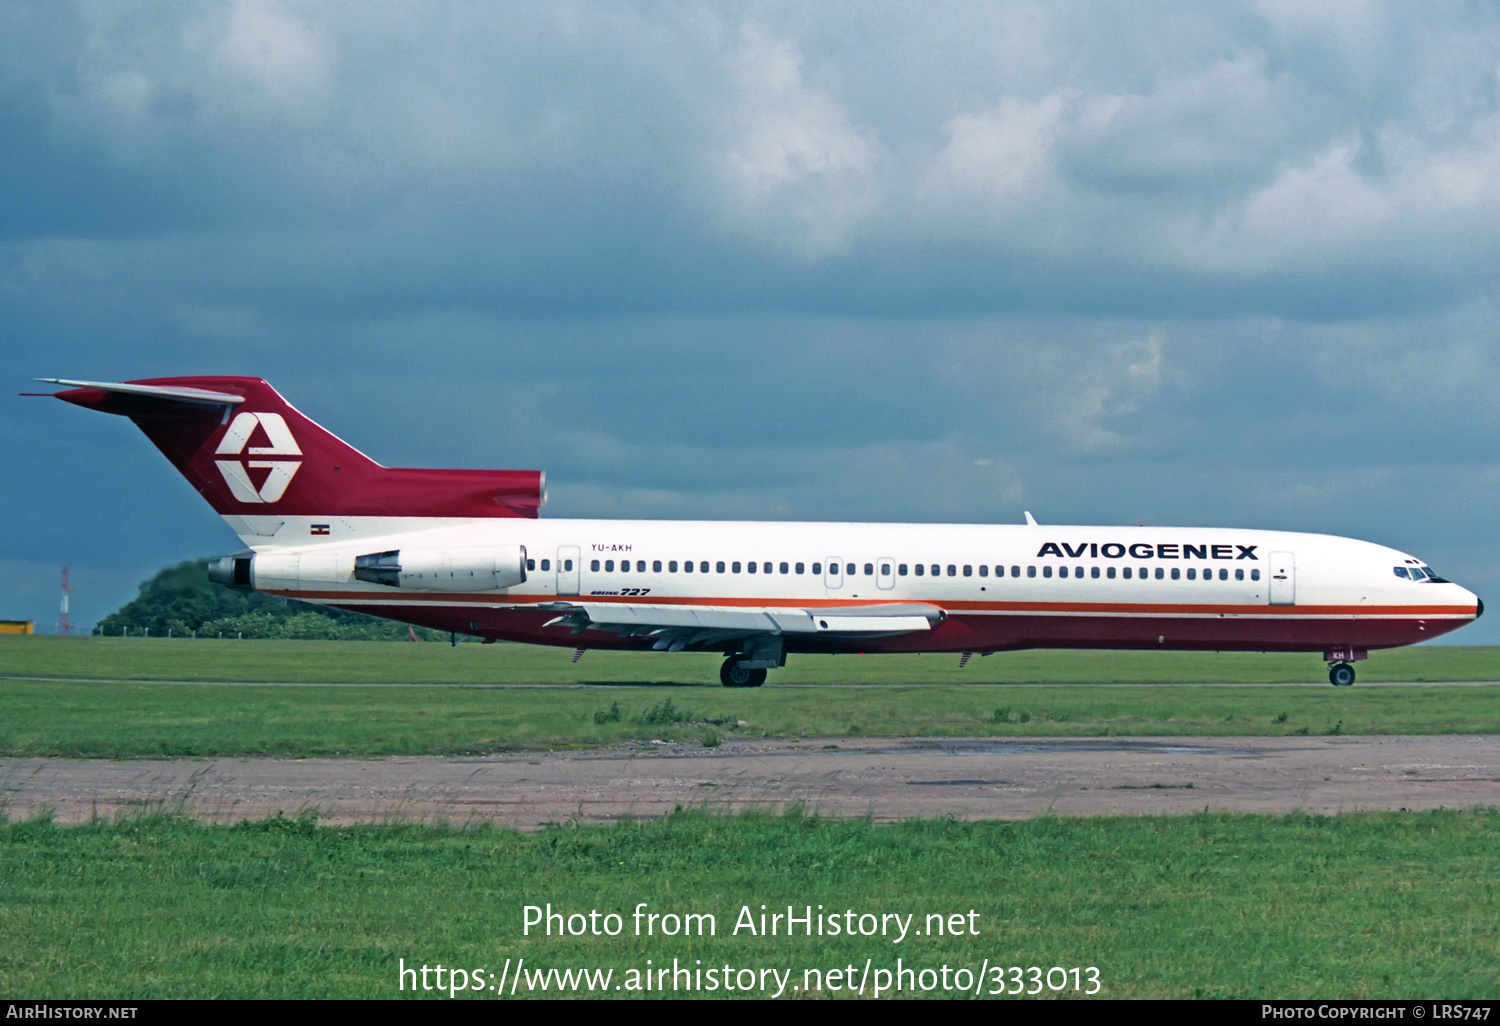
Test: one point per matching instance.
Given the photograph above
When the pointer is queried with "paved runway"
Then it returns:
(887, 779)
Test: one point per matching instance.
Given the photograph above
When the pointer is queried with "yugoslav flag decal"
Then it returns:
(236, 475)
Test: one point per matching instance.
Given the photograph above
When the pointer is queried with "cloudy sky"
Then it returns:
(1228, 264)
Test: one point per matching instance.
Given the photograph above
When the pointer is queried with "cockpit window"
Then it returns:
(1419, 573)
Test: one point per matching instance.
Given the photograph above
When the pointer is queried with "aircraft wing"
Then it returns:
(677, 628)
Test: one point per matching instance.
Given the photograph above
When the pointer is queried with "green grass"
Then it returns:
(405, 663)
(132, 720)
(145, 718)
(1358, 906)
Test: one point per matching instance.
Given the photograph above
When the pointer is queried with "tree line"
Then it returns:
(183, 601)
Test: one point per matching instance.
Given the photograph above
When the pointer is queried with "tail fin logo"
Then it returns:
(237, 473)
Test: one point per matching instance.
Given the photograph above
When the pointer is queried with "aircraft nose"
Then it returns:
(1479, 607)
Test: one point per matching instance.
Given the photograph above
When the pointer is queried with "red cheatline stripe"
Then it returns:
(431, 598)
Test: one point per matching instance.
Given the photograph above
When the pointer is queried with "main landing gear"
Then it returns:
(735, 674)
(1341, 675)
(747, 667)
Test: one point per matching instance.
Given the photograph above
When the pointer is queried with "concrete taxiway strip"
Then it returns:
(887, 779)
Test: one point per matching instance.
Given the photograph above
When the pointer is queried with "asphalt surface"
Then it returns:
(882, 778)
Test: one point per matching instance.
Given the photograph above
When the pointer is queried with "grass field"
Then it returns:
(372, 662)
(136, 715)
(1364, 906)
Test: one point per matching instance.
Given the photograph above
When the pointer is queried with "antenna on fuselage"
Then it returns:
(1031, 520)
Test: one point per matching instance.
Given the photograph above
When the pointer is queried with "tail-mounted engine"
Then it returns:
(470, 569)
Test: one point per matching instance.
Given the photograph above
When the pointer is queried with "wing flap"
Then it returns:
(693, 625)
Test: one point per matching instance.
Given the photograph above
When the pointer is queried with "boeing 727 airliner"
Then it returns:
(464, 551)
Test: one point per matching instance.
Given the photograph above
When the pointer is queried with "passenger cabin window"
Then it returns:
(937, 571)
(750, 568)
(640, 566)
(1160, 573)
(901, 570)
(920, 569)
(719, 567)
(1192, 574)
(1239, 575)
(1255, 575)
(609, 566)
(594, 565)
(952, 570)
(1176, 573)
(849, 570)
(655, 566)
(1031, 571)
(1125, 572)
(1109, 572)
(703, 567)
(1062, 571)
(786, 569)
(968, 570)
(984, 571)
(735, 566)
(817, 568)
(531, 565)
(1015, 571)
(672, 566)
(799, 568)
(1094, 572)
(1046, 571)
(687, 566)
(546, 564)
(869, 569)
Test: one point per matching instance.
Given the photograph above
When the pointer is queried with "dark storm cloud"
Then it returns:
(1162, 263)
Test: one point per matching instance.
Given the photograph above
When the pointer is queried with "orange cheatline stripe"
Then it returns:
(470, 598)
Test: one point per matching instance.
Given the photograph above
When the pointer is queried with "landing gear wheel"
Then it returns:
(1341, 675)
(735, 674)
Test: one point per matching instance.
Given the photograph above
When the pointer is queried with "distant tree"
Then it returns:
(182, 598)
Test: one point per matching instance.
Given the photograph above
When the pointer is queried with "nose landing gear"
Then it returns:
(1341, 675)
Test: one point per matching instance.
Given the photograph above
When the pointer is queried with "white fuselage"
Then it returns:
(1004, 586)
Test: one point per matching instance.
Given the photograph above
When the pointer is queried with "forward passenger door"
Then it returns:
(1283, 579)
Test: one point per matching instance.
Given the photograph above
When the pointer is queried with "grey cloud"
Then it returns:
(1165, 262)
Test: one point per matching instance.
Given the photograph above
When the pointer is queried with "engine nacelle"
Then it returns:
(486, 568)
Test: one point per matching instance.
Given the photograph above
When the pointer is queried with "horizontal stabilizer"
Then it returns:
(145, 396)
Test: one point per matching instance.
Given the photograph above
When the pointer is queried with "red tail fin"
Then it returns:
(249, 452)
